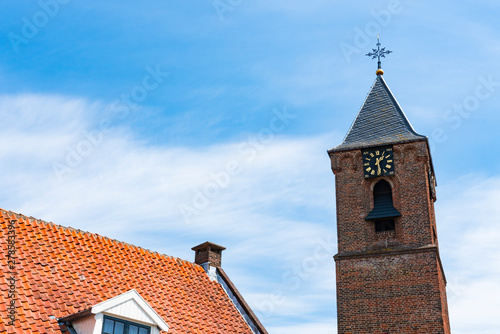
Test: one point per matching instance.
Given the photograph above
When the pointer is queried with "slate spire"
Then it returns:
(380, 121)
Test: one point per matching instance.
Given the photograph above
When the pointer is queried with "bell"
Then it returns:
(382, 202)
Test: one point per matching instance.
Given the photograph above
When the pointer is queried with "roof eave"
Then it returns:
(241, 300)
(341, 147)
(75, 316)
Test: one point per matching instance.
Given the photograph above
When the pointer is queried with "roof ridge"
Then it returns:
(82, 232)
(379, 121)
(393, 98)
(359, 110)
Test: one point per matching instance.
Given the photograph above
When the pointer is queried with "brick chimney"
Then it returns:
(208, 252)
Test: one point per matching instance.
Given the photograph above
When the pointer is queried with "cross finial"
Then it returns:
(378, 53)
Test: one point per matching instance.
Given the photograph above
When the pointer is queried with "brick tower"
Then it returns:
(389, 274)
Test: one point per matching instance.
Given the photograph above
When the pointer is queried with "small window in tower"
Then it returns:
(383, 208)
(385, 225)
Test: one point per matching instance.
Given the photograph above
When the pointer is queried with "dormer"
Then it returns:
(127, 313)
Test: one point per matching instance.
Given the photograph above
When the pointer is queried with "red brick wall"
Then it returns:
(383, 285)
(390, 294)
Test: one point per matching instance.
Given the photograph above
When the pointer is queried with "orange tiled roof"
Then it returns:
(62, 271)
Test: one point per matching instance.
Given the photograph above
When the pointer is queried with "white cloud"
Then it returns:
(272, 215)
(469, 241)
(317, 328)
(114, 184)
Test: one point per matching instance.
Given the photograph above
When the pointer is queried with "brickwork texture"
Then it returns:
(389, 282)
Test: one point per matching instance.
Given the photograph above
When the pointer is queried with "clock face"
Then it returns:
(378, 161)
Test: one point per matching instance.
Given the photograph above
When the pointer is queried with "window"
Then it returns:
(383, 208)
(385, 225)
(119, 326)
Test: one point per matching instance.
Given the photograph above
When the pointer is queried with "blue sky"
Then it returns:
(169, 123)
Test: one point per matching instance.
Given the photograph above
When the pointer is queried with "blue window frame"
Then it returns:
(119, 326)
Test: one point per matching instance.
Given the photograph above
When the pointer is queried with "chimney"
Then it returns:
(208, 252)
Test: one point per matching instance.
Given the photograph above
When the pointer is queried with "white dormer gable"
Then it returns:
(129, 306)
(128, 309)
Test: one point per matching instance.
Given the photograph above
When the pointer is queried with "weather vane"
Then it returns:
(378, 53)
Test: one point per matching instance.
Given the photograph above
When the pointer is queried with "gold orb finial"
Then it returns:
(379, 72)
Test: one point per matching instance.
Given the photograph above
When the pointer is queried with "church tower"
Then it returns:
(389, 273)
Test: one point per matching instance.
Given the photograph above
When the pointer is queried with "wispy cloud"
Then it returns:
(275, 214)
(132, 191)
(317, 328)
(469, 234)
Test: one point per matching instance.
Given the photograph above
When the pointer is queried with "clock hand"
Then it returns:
(382, 158)
(377, 163)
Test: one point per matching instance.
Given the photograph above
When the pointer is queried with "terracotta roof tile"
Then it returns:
(62, 271)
